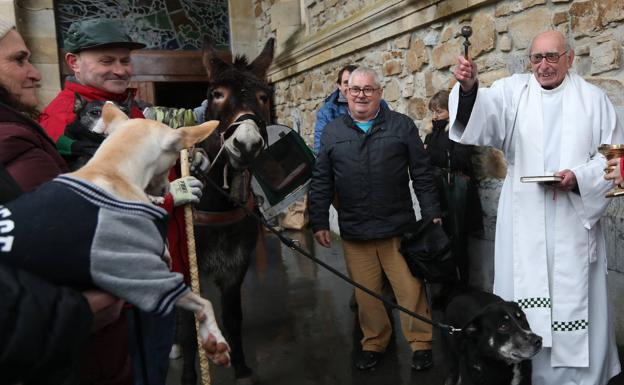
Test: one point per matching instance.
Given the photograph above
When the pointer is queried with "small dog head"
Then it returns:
(88, 124)
(144, 150)
(502, 332)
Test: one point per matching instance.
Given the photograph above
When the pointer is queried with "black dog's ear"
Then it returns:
(79, 102)
(471, 329)
(128, 103)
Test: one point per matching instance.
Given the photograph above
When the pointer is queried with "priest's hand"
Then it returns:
(465, 73)
(616, 172)
(569, 180)
(323, 237)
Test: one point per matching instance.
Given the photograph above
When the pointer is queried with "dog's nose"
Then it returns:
(535, 340)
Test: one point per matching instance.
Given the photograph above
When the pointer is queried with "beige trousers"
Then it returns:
(367, 261)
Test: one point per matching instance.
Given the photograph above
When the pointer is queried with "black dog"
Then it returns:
(86, 130)
(495, 344)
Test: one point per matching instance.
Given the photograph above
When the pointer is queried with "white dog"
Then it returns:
(97, 227)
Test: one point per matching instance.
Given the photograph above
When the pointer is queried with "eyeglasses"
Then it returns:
(551, 57)
(368, 91)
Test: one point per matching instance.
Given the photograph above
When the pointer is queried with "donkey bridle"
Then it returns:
(225, 218)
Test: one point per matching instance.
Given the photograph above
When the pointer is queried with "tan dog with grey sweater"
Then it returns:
(97, 226)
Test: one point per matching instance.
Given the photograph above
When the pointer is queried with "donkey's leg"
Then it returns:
(233, 325)
(188, 340)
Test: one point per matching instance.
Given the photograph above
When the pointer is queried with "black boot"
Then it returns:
(367, 359)
(422, 359)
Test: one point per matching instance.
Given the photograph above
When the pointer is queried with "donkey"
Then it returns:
(238, 97)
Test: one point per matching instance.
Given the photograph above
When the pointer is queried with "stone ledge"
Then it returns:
(373, 24)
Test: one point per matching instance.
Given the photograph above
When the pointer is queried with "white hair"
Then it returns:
(364, 71)
(569, 47)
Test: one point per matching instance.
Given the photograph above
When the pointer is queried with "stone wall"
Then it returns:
(416, 62)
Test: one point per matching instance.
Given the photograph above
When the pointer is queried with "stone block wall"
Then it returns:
(416, 62)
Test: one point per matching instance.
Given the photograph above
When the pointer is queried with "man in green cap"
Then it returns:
(98, 53)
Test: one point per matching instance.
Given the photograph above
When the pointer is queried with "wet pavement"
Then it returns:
(298, 327)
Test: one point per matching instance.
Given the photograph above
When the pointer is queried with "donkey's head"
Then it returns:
(238, 97)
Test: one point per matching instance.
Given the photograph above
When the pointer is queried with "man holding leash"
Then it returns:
(550, 251)
(367, 157)
(98, 53)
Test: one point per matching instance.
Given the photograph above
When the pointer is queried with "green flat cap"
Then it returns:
(98, 33)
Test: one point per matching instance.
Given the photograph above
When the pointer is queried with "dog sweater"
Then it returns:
(73, 233)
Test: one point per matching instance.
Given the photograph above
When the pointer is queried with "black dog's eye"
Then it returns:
(95, 112)
(519, 315)
(503, 327)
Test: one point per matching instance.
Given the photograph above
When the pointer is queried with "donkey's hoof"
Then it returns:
(245, 376)
(249, 380)
(188, 380)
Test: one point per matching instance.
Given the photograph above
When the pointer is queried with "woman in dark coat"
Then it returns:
(458, 189)
(43, 328)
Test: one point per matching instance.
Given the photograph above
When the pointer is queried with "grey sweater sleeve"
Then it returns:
(126, 261)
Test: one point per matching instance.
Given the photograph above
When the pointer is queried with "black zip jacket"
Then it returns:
(43, 329)
(370, 173)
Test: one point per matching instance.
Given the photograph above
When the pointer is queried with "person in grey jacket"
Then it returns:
(367, 158)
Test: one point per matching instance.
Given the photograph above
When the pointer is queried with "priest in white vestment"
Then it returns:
(549, 250)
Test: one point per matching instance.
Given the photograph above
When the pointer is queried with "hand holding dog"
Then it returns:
(185, 190)
(104, 306)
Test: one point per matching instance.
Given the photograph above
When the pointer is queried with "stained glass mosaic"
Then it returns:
(160, 24)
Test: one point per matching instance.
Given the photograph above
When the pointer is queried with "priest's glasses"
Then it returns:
(612, 151)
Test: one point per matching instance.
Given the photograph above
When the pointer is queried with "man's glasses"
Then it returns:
(368, 91)
(551, 57)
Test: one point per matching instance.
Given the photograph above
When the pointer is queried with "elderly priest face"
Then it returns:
(551, 58)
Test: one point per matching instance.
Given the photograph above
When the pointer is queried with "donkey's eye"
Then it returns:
(217, 94)
(263, 98)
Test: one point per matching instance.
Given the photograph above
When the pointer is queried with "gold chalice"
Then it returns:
(612, 151)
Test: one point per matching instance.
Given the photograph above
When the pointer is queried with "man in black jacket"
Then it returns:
(367, 158)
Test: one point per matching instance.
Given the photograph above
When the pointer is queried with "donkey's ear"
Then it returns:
(261, 64)
(186, 137)
(112, 116)
(212, 63)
